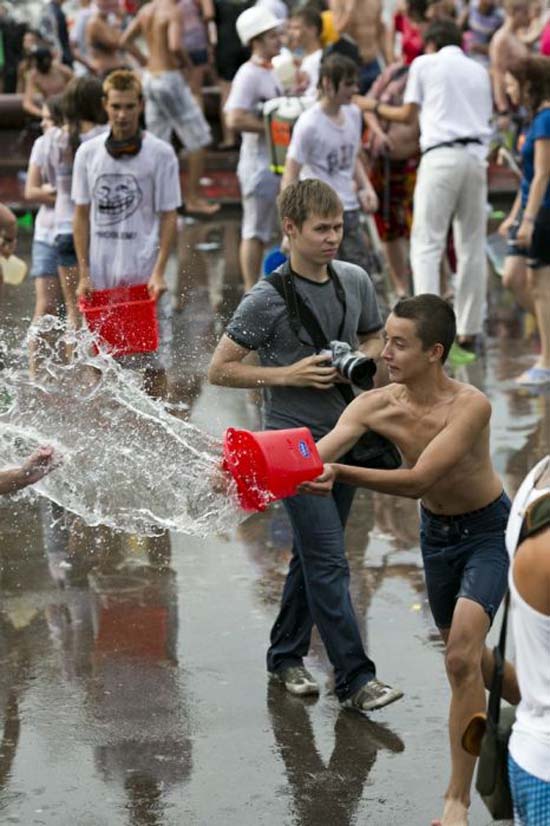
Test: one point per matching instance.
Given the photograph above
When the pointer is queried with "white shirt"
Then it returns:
(311, 65)
(454, 96)
(126, 196)
(530, 738)
(327, 150)
(44, 224)
(59, 170)
(252, 85)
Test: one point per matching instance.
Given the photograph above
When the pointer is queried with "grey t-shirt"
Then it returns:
(261, 323)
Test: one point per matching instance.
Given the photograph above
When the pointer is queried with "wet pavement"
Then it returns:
(132, 680)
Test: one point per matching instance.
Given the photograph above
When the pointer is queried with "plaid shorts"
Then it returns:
(531, 797)
(170, 107)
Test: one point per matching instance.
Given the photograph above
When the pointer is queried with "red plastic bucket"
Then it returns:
(270, 464)
(125, 318)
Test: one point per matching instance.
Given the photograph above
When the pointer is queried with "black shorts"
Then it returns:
(465, 556)
(538, 254)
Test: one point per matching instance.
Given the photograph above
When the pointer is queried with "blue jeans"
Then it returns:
(316, 592)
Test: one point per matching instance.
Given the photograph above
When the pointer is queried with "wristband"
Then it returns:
(528, 219)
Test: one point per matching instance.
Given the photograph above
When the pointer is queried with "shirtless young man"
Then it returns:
(362, 20)
(103, 37)
(441, 427)
(506, 48)
(46, 78)
(169, 104)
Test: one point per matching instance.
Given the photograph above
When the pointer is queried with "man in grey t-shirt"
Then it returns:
(301, 390)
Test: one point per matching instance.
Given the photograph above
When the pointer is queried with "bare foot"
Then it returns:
(455, 813)
(201, 205)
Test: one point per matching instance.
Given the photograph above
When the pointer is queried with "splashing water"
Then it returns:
(126, 462)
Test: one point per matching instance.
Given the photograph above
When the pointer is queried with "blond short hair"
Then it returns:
(122, 80)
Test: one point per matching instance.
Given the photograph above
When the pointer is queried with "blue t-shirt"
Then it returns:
(539, 130)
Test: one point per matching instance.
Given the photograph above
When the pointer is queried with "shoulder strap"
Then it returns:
(493, 709)
(298, 311)
(300, 315)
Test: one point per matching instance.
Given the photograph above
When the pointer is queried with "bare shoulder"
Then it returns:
(373, 401)
(469, 401)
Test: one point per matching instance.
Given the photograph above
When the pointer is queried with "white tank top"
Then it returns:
(530, 740)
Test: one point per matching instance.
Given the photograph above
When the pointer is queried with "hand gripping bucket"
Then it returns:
(270, 464)
(124, 318)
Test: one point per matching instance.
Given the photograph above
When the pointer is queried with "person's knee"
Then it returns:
(462, 663)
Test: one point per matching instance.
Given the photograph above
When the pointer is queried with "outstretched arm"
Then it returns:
(38, 464)
(435, 461)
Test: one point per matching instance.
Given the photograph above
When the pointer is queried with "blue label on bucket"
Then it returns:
(304, 449)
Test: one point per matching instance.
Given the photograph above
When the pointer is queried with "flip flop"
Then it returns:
(535, 376)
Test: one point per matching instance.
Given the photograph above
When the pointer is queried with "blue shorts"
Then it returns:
(465, 556)
(531, 796)
(199, 57)
(368, 74)
(44, 260)
(66, 252)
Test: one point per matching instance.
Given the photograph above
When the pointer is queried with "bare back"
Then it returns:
(161, 26)
(361, 20)
(471, 482)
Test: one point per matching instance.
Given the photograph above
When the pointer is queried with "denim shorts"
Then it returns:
(465, 556)
(44, 260)
(66, 252)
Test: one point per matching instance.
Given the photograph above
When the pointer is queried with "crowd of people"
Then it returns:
(398, 113)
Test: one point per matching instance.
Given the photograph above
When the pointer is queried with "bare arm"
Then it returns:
(125, 39)
(341, 13)
(133, 31)
(531, 572)
(108, 36)
(227, 369)
(242, 120)
(81, 233)
(28, 97)
(32, 470)
(36, 189)
(291, 173)
(406, 113)
(167, 237)
(8, 221)
(435, 461)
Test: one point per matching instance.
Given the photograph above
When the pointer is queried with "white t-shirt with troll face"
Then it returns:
(126, 196)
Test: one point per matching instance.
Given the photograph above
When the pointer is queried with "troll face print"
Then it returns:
(116, 197)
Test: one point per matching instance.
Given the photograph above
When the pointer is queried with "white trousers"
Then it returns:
(452, 186)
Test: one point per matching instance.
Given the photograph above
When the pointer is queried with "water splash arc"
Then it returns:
(127, 462)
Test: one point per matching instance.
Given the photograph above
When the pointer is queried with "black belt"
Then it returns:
(455, 142)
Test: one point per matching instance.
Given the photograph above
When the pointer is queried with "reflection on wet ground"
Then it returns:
(132, 681)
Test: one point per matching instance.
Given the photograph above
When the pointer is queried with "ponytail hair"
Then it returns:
(82, 100)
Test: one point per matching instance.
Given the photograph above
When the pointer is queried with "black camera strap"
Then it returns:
(300, 315)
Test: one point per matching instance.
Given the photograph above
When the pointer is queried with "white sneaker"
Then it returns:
(372, 695)
(296, 679)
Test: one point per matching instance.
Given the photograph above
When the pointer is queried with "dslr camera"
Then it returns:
(357, 369)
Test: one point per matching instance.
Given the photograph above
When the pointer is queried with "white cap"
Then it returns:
(255, 21)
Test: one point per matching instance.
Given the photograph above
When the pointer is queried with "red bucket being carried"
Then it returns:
(269, 465)
(124, 318)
